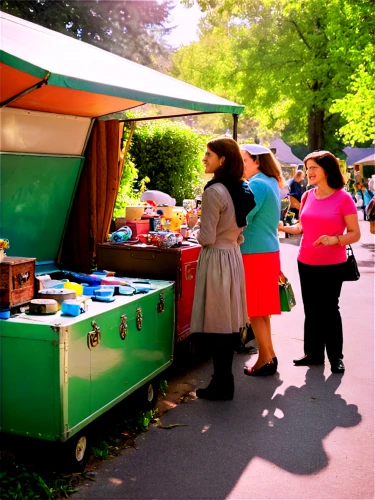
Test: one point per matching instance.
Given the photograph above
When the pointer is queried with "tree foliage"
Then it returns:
(170, 155)
(131, 29)
(293, 63)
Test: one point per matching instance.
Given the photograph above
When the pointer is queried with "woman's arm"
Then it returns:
(211, 207)
(352, 235)
(296, 229)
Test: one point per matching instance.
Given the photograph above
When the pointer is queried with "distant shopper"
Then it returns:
(261, 252)
(358, 177)
(367, 197)
(328, 222)
(219, 308)
(296, 189)
(371, 184)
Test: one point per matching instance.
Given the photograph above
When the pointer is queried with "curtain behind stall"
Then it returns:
(95, 198)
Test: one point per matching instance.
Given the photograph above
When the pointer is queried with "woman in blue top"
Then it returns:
(261, 251)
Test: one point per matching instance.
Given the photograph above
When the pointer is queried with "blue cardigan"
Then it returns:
(262, 222)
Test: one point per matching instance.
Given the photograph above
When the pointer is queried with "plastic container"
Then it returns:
(138, 227)
(57, 294)
(71, 308)
(126, 290)
(178, 218)
(4, 313)
(53, 284)
(121, 235)
(74, 286)
(164, 211)
(89, 290)
(135, 213)
(104, 292)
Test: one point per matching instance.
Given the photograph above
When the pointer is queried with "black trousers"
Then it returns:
(321, 288)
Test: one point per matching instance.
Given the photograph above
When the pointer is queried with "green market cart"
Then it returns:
(59, 374)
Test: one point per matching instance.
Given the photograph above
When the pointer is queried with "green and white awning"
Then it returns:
(43, 70)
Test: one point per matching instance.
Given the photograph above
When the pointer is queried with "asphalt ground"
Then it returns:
(302, 434)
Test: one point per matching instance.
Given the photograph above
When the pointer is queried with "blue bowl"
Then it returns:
(105, 292)
(4, 313)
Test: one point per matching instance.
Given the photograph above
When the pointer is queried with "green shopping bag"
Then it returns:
(287, 298)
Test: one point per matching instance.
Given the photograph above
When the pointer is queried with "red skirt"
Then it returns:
(262, 283)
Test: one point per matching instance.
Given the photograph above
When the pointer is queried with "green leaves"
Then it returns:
(129, 29)
(170, 154)
(288, 62)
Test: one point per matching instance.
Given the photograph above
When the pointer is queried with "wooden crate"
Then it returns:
(16, 280)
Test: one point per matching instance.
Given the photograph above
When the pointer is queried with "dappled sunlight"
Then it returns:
(115, 480)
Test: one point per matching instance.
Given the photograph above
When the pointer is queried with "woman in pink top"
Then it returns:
(329, 222)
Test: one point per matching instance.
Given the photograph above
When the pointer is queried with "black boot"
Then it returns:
(221, 386)
(218, 389)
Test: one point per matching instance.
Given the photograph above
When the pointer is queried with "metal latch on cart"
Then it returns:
(123, 326)
(161, 303)
(139, 318)
(93, 337)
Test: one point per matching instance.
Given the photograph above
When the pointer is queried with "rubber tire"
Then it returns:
(76, 452)
(149, 393)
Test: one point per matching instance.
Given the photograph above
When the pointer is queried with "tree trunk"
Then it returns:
(315, 129)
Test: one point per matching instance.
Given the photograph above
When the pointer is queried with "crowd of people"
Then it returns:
(237, 280)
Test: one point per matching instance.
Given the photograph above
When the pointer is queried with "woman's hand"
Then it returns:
(281, 226)
(326, 240)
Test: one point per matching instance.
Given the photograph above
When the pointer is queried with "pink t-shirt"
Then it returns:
(320, 217)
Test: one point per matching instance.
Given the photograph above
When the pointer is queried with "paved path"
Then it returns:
(303, 434)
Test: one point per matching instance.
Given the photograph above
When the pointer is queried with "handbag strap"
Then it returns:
(303, 199)
(349, 251)
(282, 278)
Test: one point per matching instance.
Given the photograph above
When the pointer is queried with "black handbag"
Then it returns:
(351, 272)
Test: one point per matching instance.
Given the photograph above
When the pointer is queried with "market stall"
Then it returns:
(60, 171)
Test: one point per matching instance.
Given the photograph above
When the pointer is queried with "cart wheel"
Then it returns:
(149, 394)
(76, 452)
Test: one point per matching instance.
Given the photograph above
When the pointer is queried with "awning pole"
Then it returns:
(26, 91)
(235, 123)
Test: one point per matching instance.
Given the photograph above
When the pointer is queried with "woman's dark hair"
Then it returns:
(330, 165)
(232, 169)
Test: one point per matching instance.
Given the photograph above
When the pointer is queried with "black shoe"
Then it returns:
(308, 360)
(276, 361)
(337, 366)
(217, 390)
(264, 371)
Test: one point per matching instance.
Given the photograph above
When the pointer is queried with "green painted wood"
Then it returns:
(30, 381)
(53, 385)
(36, 192)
